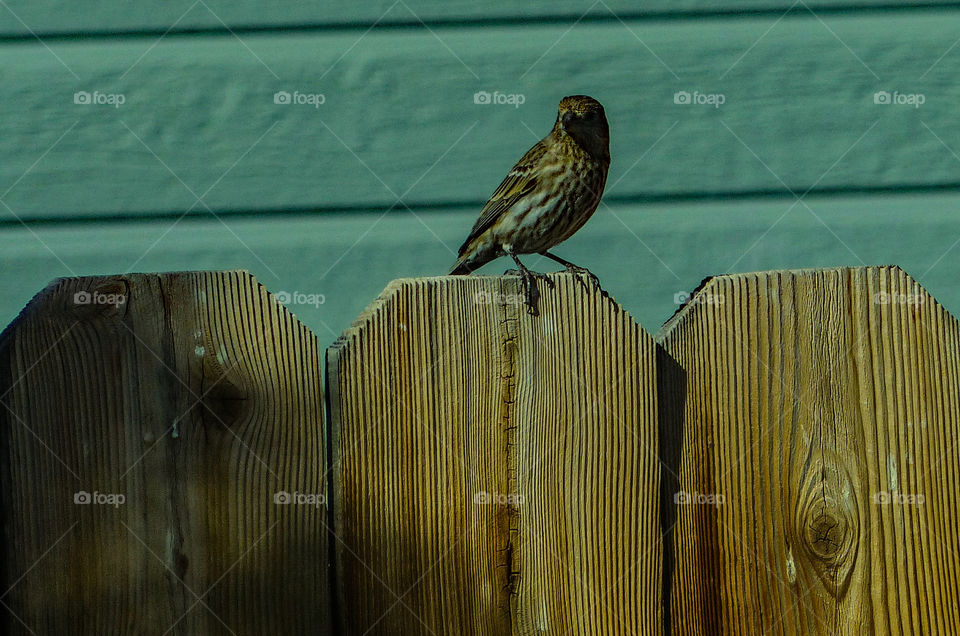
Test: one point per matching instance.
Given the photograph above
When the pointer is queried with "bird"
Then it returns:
(549, 194)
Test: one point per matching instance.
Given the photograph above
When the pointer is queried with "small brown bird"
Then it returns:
(547, 196)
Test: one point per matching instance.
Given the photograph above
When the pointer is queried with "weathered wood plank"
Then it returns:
(187, 400)
(348, 259)
(494, 472)
(99, 16)
(821, 413)
(798, 107)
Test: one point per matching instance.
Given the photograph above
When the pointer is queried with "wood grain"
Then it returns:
(822, 406)
(446, 395)
(399, 120)
(197, 398)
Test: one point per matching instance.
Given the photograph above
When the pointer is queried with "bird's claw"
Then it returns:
(576, 269)
(531, 295)
(544, 277)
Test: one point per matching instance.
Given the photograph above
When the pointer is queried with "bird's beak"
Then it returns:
(566, 119)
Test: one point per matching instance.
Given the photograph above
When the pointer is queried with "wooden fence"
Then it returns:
(782, 458)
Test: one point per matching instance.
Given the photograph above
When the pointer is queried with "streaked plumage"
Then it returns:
(547, 196)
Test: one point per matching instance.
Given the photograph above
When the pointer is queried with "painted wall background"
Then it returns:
(158, 136)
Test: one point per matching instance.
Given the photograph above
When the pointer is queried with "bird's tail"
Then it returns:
(469, 259)
(463, 266)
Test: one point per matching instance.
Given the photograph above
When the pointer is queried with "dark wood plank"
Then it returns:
(147, 423)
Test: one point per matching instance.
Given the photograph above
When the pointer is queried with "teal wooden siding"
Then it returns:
(384, 178)
(67, 17)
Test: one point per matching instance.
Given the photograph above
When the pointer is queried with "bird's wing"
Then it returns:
(519, 182)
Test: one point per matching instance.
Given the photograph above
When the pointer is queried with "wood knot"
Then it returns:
(224, 395)
(826, 534)
(827, 523)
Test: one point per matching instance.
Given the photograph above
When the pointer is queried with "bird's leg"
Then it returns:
(576, 269)
(528, 279)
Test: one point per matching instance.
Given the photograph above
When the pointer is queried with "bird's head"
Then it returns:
(583, 119)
